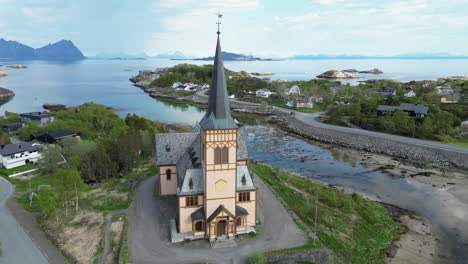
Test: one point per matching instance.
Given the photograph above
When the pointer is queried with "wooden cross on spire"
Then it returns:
(219, 22)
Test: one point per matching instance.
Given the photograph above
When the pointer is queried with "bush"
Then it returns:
(256, 258)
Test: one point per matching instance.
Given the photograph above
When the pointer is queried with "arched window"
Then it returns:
(168, 174)
(217, 155)
(199, 226)
(225, 155)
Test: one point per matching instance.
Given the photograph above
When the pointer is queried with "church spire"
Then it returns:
(218, 115)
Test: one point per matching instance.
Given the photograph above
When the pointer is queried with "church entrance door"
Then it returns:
(221, 228)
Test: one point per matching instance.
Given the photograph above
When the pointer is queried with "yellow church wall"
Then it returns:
(250, 207)
(167, 187)
(185, 213)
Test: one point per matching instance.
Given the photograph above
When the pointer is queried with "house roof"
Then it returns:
(220, 209)
(416, 108)
(57, 134)
(263, 90)
(6, 150)
(13, 124)
(171, 146)
(243, 171)
(196, 177)
(242, 153)
(37, 114)
(240, 211)
(198, 214)
(218, 115)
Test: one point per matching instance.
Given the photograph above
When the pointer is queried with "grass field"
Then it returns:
(355, 229)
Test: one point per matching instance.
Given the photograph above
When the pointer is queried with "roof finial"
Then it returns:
(219, 22)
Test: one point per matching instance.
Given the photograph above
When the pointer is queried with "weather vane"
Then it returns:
(219, 22)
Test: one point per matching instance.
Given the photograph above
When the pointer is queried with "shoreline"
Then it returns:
(421, 154)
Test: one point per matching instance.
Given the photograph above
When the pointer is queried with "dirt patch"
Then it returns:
(116, 229)
(417, 246)
(80, 237)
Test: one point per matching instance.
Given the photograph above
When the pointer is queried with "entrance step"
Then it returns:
(224, 243)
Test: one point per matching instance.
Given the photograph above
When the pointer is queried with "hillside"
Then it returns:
(228, 56)
(62, 50)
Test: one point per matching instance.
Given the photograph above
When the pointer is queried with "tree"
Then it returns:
(29, 129)
(49, 202)
(400, 120)
(69, 186)
(96, 165)
(50, 159)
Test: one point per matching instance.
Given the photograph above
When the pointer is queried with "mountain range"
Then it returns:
(61, 50)
(229, 56)
(420, 56)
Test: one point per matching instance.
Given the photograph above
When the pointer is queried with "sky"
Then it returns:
(265, 28)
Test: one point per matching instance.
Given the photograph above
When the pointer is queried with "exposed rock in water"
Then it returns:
(143, 85)
(336, 75)
(3, 73)
(262, 73)
(18, 66)
(373, 71)
(351, 70)
(54, 107)
(5, 93)
(59, 107)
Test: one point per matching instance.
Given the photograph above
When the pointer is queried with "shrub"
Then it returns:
(256, 258)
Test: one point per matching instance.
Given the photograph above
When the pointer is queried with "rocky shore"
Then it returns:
(5, 93)
(18, 66)
(59, 107)
(417, 154)
(3, 73)
(332, 74)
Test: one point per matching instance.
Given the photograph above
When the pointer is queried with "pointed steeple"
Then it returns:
(218, 115)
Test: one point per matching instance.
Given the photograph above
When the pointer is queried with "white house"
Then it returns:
(42, 118)
(15, 155)
(176, 85)
(315, 99)
(410, 93)
(295, 90)
(264, 93)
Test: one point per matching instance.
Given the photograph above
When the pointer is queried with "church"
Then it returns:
(206, 170)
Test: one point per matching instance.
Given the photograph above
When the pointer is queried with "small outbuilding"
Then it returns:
(11, 127)
(54, 136)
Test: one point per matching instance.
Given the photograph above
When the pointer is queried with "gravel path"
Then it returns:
(107, 235)
(17, 246)
(149, 230)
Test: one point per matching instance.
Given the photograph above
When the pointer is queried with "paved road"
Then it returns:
(149, 230)
(16, 245)
(309, 119)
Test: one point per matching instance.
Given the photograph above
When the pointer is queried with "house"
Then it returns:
(445, 89)
(11, 127)
(315, 99)
(15, 155)
(410, 91)
(300, 103)
(295, 90)
(206, 170)
(450, 98)
(176, 85)
(42, 118)
(264, 93)
(416, 110)
(54, 136)
(426, 84)
(387, 91)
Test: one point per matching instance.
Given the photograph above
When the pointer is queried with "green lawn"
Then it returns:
(356, 229)
(455, 142)
(8, 172)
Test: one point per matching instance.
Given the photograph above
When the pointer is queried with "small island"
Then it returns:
(373, 71)
(18, 66)
(351, 70)
(333, 74)
(262, 73)
(3, 73)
